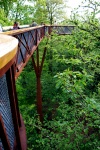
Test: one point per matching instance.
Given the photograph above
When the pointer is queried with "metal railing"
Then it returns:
(10, 120)
(12, 61)
(29, 39)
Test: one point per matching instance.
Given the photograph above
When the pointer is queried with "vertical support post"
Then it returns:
(15, 93)
(39, 93)
(11, 89)
(3, 136)
(36, 37)
(38, 70)
(50, 30)
(39, 99)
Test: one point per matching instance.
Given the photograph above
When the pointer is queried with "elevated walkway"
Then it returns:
(16, 48)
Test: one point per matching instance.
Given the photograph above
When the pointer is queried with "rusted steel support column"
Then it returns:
(36, 39)
(39, 94)
(15, 93)
(3, 136)
(50, 30)
(15, 115)
(38, 70)
(39, 99)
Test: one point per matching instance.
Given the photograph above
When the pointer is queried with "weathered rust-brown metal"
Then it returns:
(38, 70)
(14, 109)
(6, 67)
(3, 135)
(28, 41)
(9, 101)
(22, 133)
(39, 93)
(13, 71)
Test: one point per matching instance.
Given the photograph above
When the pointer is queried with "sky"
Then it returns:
(72, 4)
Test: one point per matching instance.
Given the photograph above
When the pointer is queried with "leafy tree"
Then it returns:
(40, 13)
(55, 9)
(3, 19)
(70, 96)
(6, 5)
(71, 92)
(49, 11)
(90, 22)
(21, 12)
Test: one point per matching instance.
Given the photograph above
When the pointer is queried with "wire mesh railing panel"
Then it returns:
(62, 29)
(38, 35)
(46, 30)
(20, 58)
(32, 39)
(22, 48)
(27, 41)
(5, 111)
(69, 29)
(1, 145)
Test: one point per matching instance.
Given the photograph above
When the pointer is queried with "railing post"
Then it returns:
(3, 135)
(39, 94)
(14, 109)
(39, 99)
(11, 127)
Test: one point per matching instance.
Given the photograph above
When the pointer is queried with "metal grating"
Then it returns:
(63, 29)
(1, 146)
(5, 112)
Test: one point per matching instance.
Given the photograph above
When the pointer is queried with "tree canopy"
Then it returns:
(70, 90)
(40, 11)
(6, 5)
(55, 9)
(70, 79)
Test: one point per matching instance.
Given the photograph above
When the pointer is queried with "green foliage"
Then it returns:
(27, 79)
(21, 12)
(6, 5)
(55, 9)
(40, 13)
(70, 92)
(72, 127)
(3, 20)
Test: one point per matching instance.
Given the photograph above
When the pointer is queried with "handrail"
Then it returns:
(10, 122)
(8, 50)
(13, 32)
(29, 39)
(16, 48)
